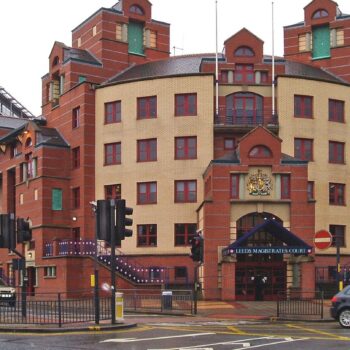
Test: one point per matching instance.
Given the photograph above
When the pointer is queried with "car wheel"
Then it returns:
(344, 318)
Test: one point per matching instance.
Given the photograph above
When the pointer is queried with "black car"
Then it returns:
(340, 309)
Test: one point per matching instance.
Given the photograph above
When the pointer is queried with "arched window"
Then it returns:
(28, 142)
(55, 61)
(244, 108)
(136, 9)
(244, 51)
(260, 151)
(320, 14)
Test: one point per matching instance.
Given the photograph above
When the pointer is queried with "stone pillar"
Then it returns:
(307, 270)
(56, 248)
(228, 286)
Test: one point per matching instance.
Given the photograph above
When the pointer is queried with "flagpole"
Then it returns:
(216, 64)
(273, 65)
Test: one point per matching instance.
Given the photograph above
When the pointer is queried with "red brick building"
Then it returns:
(122, 119)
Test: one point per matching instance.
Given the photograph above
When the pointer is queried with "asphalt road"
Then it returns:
(220, 335)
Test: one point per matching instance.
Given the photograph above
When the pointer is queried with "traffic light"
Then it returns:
(103, 217)
(7, 231)
(24, 231)
(197, 248)
(122, 220)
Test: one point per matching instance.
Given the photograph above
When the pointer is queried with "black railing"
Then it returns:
(295, 303)
(246, 117)
(57, 309)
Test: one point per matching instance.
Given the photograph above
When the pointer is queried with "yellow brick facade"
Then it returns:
(321, 131)
(166, 170)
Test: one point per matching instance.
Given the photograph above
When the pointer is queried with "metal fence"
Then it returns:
(296, 304)
(60, 308)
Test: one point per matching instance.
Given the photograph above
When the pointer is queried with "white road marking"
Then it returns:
(243, 342)
(129, 340)
(286, 340)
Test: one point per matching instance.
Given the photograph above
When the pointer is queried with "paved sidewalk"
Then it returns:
(258, 310)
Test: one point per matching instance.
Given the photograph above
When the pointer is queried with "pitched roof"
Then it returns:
(44, 135)
(177, 65)
(85, 56)
(306, 71)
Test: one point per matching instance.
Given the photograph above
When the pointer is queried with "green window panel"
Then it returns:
(135, 38)
(321, 42)
(56, 199)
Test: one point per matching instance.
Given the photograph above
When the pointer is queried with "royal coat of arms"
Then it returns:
(259, 184)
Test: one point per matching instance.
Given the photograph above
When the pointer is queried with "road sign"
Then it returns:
(323, 239)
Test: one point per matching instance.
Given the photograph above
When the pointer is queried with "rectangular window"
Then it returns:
(154, 272)
(264, 77)
(184, 233)
(180, 272)
(229, 143)
(75, 117)
(146, 193)
(336, 152)
(147, 107)
(113, 191)
(147, 150)
(302, 42)
(32, 167)
(112, 153)
(153, 39)
(147, 235)
(303, 149)
(118, 31)
(76, 158)
(112, 112)
(76, 197)
(56, 199)
(338, 233)
(339, 36)
(185, 104)
(244, 73)
(186, 191)
(336, 111)
(336, 194)
(285, 186)
(321, 42)
(235, 186)
(311, 190)
(186, 147)
(50, 271)
(303, 106)
(223, 77)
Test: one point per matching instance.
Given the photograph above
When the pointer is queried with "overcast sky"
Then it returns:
(29, 29)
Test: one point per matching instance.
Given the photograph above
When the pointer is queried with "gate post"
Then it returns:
(228, 285)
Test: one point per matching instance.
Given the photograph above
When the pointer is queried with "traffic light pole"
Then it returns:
(195, 289)
(113, 279)
(96, 271)
(24, 282)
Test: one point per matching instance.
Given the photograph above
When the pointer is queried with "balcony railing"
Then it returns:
(245, 117)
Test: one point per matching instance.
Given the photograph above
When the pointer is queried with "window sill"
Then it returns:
(137, 54)
(320, 58)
